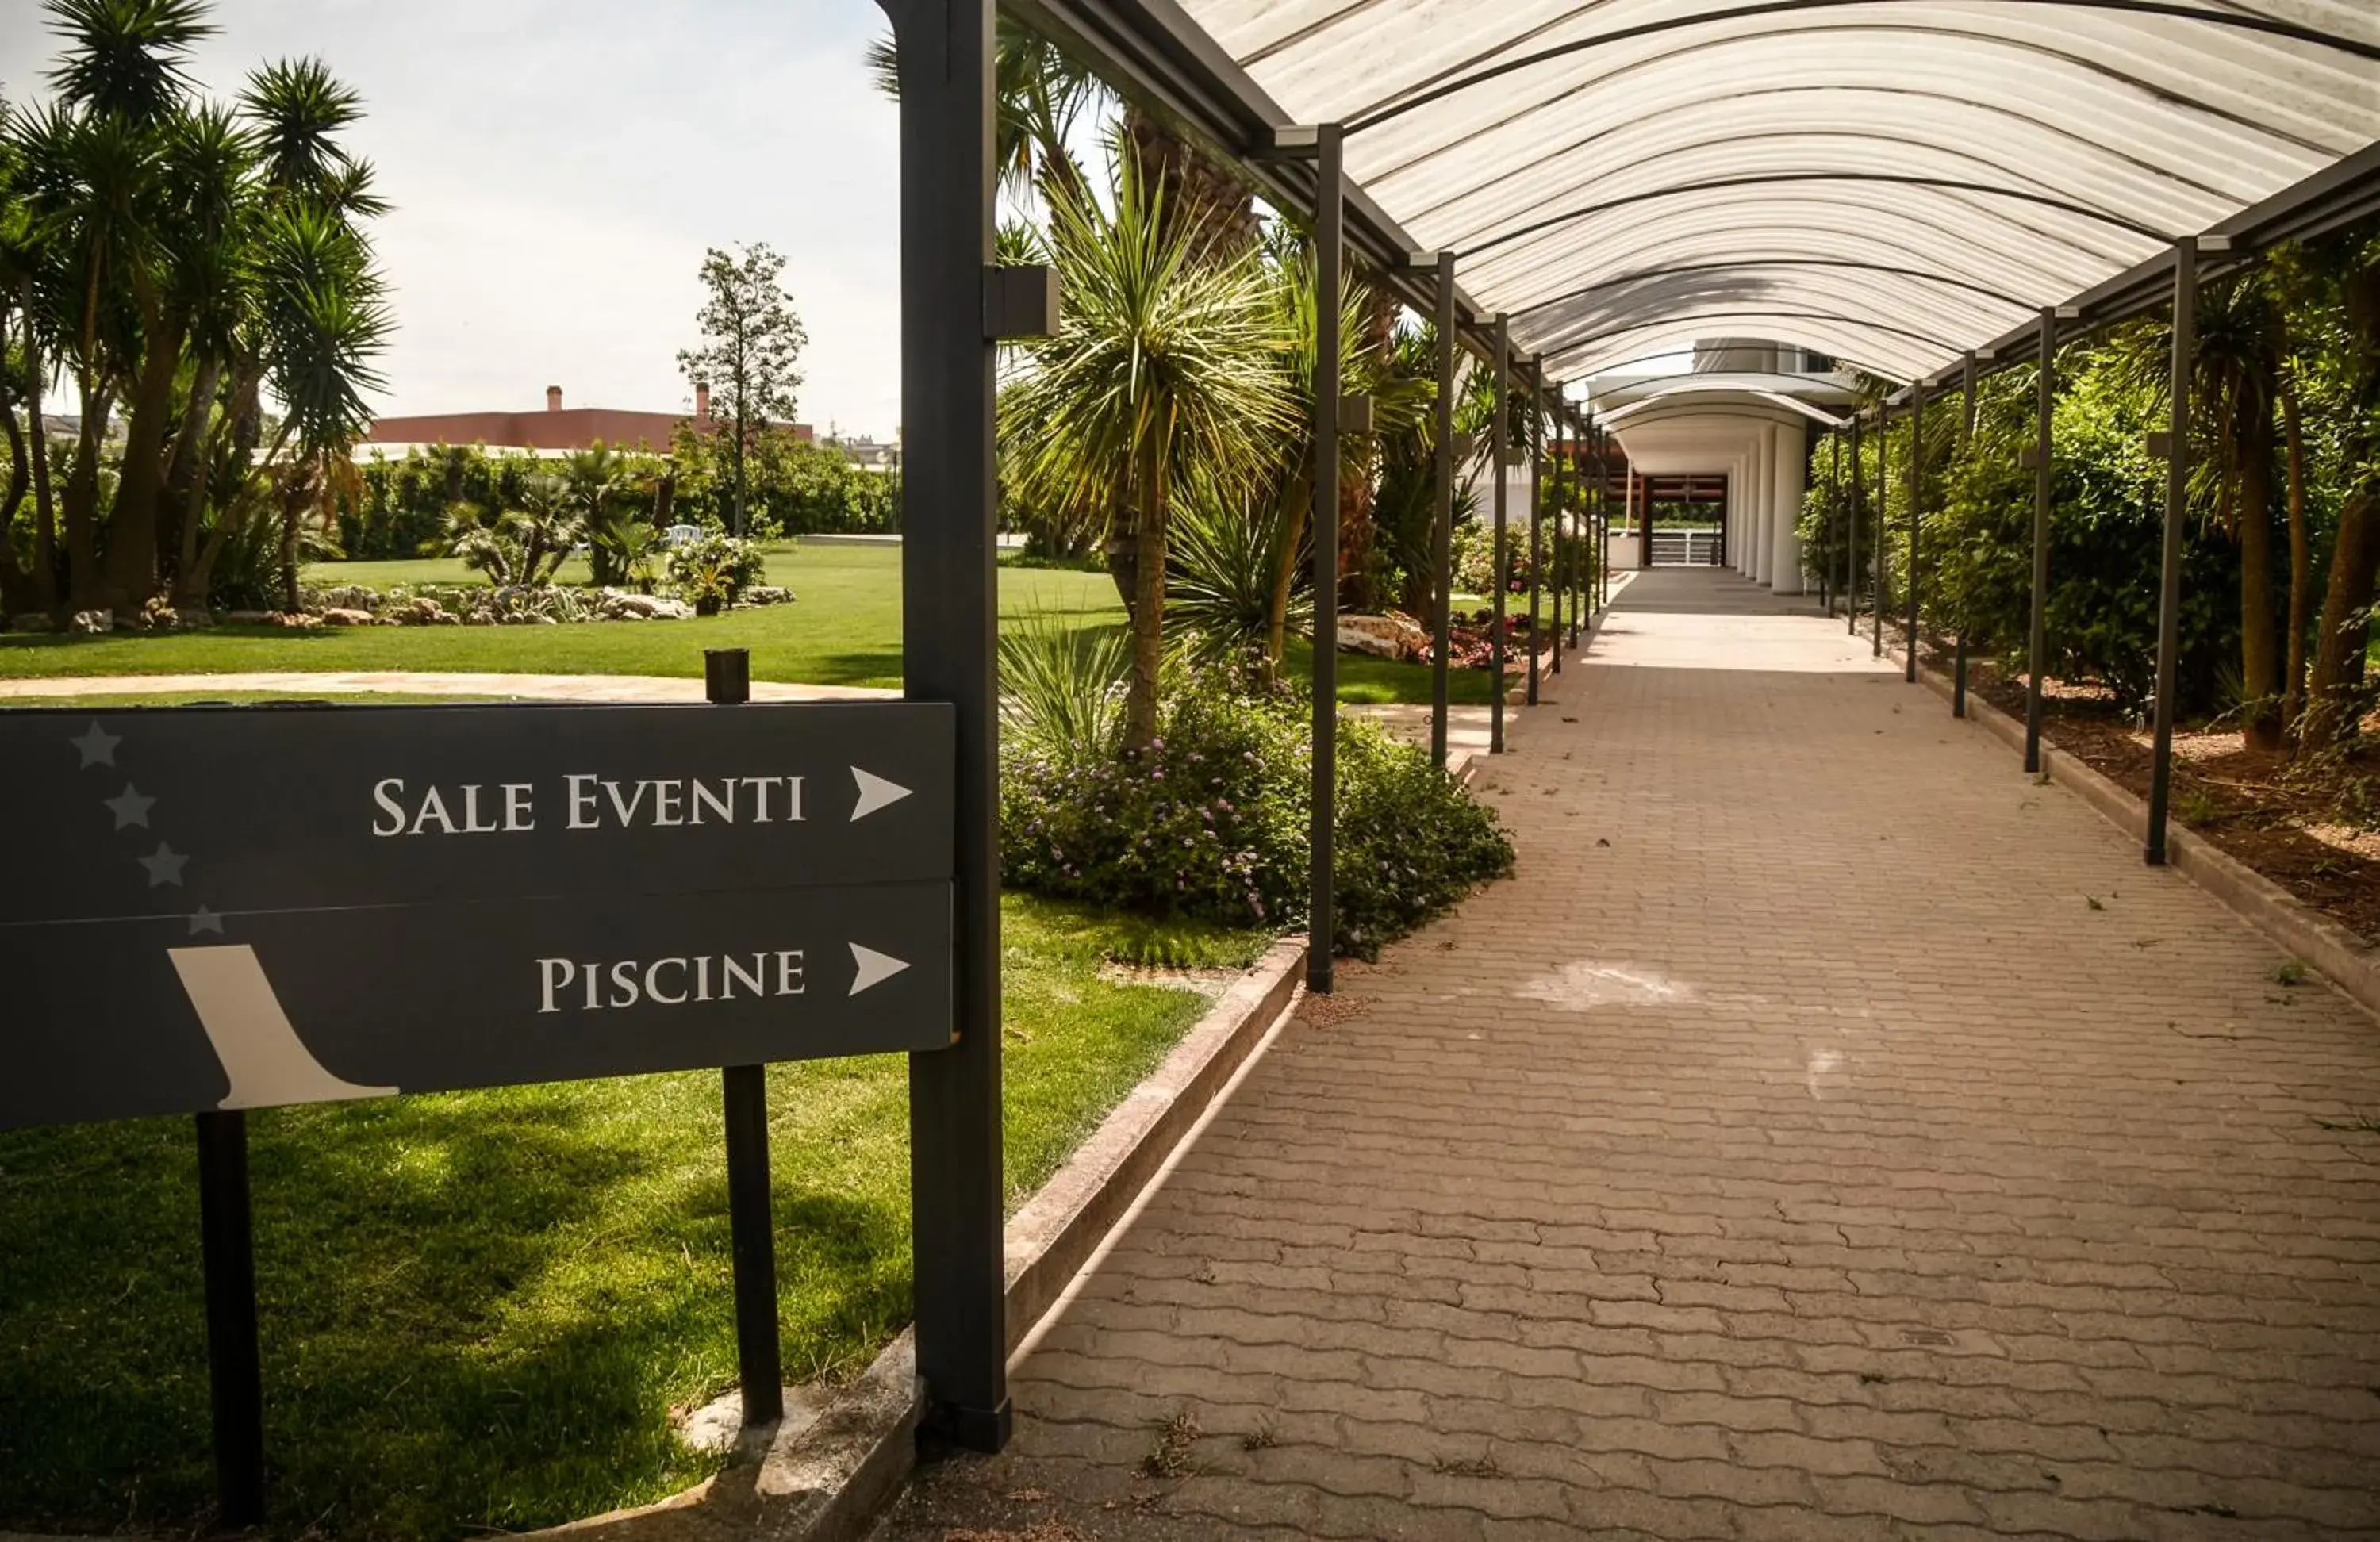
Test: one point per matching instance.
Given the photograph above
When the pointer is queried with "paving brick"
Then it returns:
(1787, 1150)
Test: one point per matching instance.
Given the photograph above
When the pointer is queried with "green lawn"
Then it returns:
(479, 1309)
(844, 630)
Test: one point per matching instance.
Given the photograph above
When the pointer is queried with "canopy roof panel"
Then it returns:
(1894, 181)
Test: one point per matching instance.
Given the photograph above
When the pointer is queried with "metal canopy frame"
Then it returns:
(1154, 52)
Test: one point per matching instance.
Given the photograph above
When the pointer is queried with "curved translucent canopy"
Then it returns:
(1892, 182)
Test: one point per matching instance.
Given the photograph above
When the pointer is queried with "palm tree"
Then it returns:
(1164, 370)
(1289, 294)
(1042, 94)
(2235, 387)
(2333, 690)
(592, 478)
(177, 258)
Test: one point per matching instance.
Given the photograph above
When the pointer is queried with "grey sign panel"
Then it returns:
(242, 909)
(252, 808)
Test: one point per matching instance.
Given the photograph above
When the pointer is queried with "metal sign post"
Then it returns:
(235, 1369)
(743, 1105)
(949, 618)
(608, 890)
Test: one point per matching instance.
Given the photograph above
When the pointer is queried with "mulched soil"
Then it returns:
(2287, 827)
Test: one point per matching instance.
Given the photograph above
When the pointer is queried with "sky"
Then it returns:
(557, 170)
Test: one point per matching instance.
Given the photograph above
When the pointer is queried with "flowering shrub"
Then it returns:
(1211, 822)
(712, 569)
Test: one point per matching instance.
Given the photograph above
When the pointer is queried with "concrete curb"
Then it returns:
(2346, 959)
(1057, 1230)
(823, 1478)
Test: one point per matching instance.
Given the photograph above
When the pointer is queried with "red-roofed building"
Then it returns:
(555, 430)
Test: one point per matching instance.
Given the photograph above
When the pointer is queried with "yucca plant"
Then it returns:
(1220, 589)
(1061, 687)
(1163, 371)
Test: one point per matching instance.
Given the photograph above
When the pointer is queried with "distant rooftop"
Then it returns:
(556, 430)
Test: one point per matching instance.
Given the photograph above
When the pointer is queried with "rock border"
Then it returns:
(823, 1479)
(2345, 957)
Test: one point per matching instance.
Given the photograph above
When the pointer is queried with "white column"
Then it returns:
(1763, 539)
(1735, 543)
(1790, 468)
(1747, 516)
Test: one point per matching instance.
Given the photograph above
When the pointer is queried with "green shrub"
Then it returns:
(1211, 822)
(712, 569)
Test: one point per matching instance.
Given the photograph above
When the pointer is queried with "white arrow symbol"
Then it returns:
(874, 793)
(875, 968)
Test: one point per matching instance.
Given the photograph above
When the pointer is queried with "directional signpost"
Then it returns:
(249, 908)
(242, 909)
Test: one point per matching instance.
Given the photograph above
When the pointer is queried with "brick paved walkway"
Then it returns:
(1827, 1133)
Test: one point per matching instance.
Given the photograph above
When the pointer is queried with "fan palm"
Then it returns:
(592, 478)
(1165, 368)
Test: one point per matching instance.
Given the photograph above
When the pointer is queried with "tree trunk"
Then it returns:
(186, 469)
(1148, 610)
(191, 453)
(293, 505)
(735, 515)
(45, 588)
(2334, 699)
(2301, 567)
(14, 583)
(132, 523)
(2260, 663)
(1359, 534)
(1296, 504)
(87, 585)
(20, 477)
(1198, 196)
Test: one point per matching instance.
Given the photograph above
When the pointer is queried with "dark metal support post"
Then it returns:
(1834, 490)
(1536, 400)
(1581, 575)
(1595, 576)
(236, 1377)
(1883, 518)
(1441, 540)
(2176, 494)
(1858, 490)
(1554, 452)
(1499, 434)
(1916, 470)
(1329, 242)
(949, 617)
(1643, 489)
(2037, 644)
(744, 1098)
(1959, 633)
(1603, 443)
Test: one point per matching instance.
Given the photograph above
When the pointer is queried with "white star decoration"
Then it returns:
(130, 807)
(165, 867)
(204, 919)
(97, 746)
